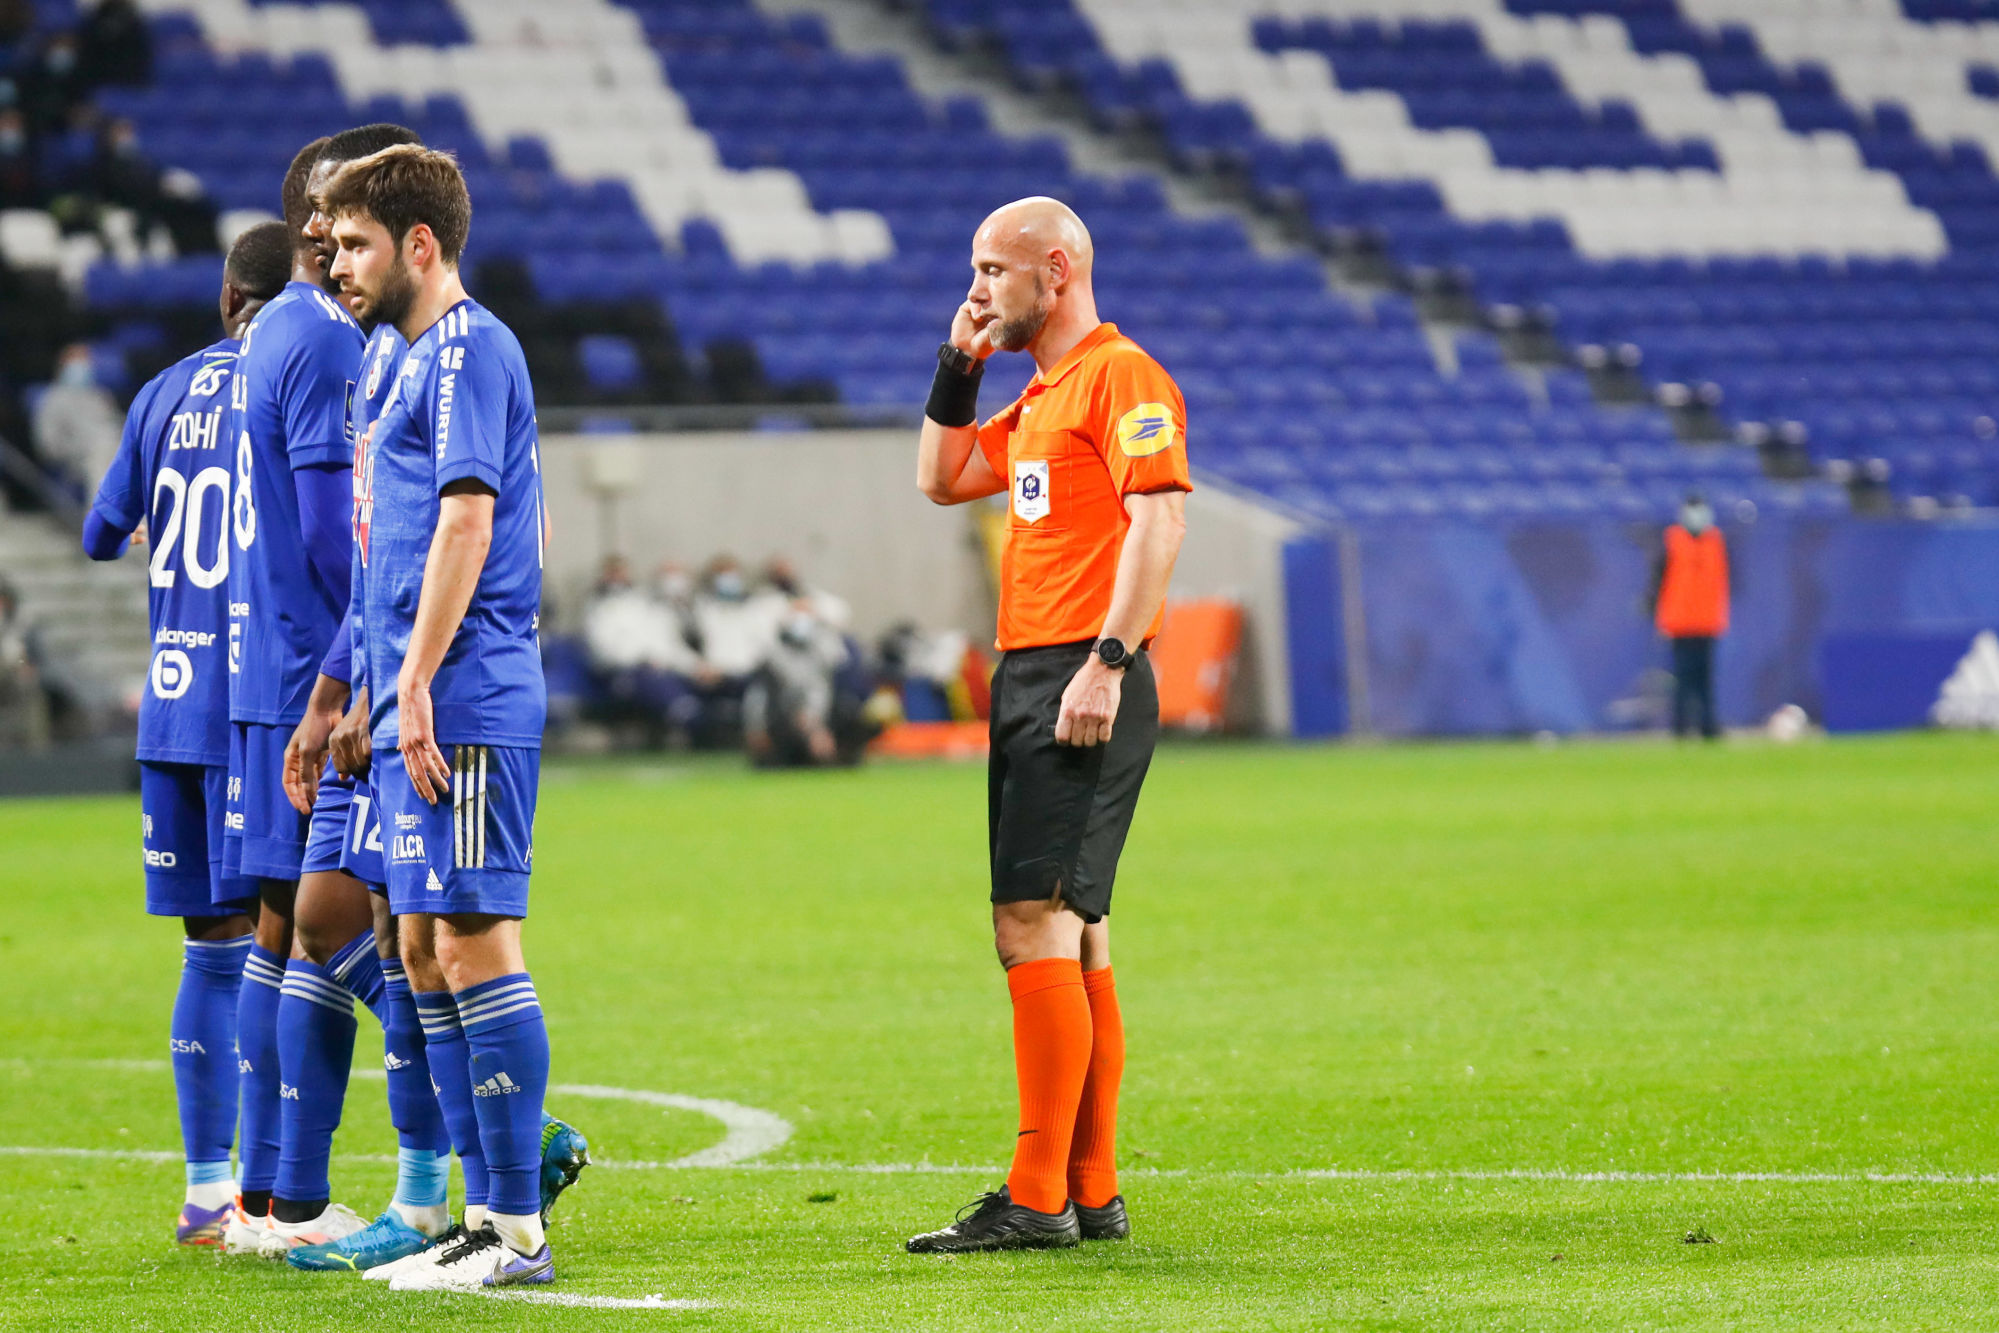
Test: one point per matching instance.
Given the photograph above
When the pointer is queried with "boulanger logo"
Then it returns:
(172, 673)
(1146, 429)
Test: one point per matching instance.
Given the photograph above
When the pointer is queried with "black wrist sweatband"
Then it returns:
(954, 395)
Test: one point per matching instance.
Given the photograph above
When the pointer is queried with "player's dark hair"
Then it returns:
(363, 140)
(402, 186)
(260, 262)
(296, 207)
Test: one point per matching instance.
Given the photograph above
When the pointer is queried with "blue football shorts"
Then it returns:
(181, 814)
(472, 850)
(266, 838)
(326, 832)
(361, 854)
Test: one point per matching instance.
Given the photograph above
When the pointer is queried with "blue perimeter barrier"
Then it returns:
(1493, 629)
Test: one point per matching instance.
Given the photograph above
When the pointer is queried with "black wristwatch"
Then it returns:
(958, 359)
(1113, 654)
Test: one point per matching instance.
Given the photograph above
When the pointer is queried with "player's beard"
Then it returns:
(1014, 335)
(398, 295)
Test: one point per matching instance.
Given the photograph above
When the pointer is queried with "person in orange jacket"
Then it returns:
(1690, 607)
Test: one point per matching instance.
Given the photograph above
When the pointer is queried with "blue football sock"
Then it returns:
(509, 1044)
(357, 969)
(257, 1068)
(413, 1108)
(203, 1042)
(421, 1177)
(316, 1045)
(450, 1073)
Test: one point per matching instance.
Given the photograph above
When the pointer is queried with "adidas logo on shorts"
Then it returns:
(499, 1085)
(433, 884)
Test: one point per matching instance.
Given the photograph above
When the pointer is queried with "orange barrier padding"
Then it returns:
(931, 740)
(1194, 659)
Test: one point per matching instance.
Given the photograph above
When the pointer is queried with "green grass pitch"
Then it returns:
(1368, 991)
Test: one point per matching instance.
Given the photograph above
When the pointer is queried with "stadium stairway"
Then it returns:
(91, 617)
(1723, 195)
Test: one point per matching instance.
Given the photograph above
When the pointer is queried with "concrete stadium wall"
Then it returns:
(843, 506)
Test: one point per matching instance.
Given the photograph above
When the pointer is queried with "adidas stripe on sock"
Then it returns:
(357, 969)
(316, 1053)
(509, 1075)
(413, 1107)
(451, 1081)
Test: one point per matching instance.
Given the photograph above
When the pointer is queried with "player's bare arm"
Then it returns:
(305, 752)
(1145, 568)
(450, 576)
(950, 468)
(351, 745)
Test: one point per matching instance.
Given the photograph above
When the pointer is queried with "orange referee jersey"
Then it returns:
(1105, 422)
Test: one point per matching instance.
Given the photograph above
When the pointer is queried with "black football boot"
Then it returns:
(995, 1222)
(1106, 1223)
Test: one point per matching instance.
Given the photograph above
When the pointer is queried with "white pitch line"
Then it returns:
(571, 1298)
(1358, 1175)
(747, 1131)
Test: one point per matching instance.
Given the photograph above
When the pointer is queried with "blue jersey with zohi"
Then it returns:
(464, 410)
(379, 382)
(292, 408)
(172, 472)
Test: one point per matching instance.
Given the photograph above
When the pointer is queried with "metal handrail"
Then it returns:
(24, 470)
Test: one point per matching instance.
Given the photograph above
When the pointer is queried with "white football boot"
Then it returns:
(423, 1258)
(336, 1223)
(244, 1233)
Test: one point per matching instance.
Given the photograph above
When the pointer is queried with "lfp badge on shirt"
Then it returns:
(1146, 429)
(1030, 489)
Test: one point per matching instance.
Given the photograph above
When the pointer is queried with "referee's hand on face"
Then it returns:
(1089, 705)
(972, 331)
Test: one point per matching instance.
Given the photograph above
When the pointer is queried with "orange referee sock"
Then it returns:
(1051, 1058)
(1093, 1151)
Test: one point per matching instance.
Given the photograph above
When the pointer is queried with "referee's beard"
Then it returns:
(1018, 333)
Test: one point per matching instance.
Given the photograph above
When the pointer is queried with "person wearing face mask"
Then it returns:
(53, 83)
(639, 653)
(733, 631)
(1690, 607)
(20, 177)
(121, 173)
(77, 426)
(788, 711)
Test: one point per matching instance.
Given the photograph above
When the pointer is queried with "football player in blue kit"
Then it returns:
(172, 475)
(335, 958)
(417, 1217)
(291, 513)
(451, 536)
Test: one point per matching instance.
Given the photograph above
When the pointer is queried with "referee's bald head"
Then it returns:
(1039, 226)
(1031, 263)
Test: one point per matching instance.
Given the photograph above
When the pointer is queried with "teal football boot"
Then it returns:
(564, 1154)
(383, 1241)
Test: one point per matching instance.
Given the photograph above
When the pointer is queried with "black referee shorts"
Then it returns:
(1057, 815)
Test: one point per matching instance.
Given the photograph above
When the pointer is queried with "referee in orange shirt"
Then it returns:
(1094, 457)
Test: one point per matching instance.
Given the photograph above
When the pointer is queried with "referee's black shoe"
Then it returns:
(995, 1222)
(1106, 1223)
